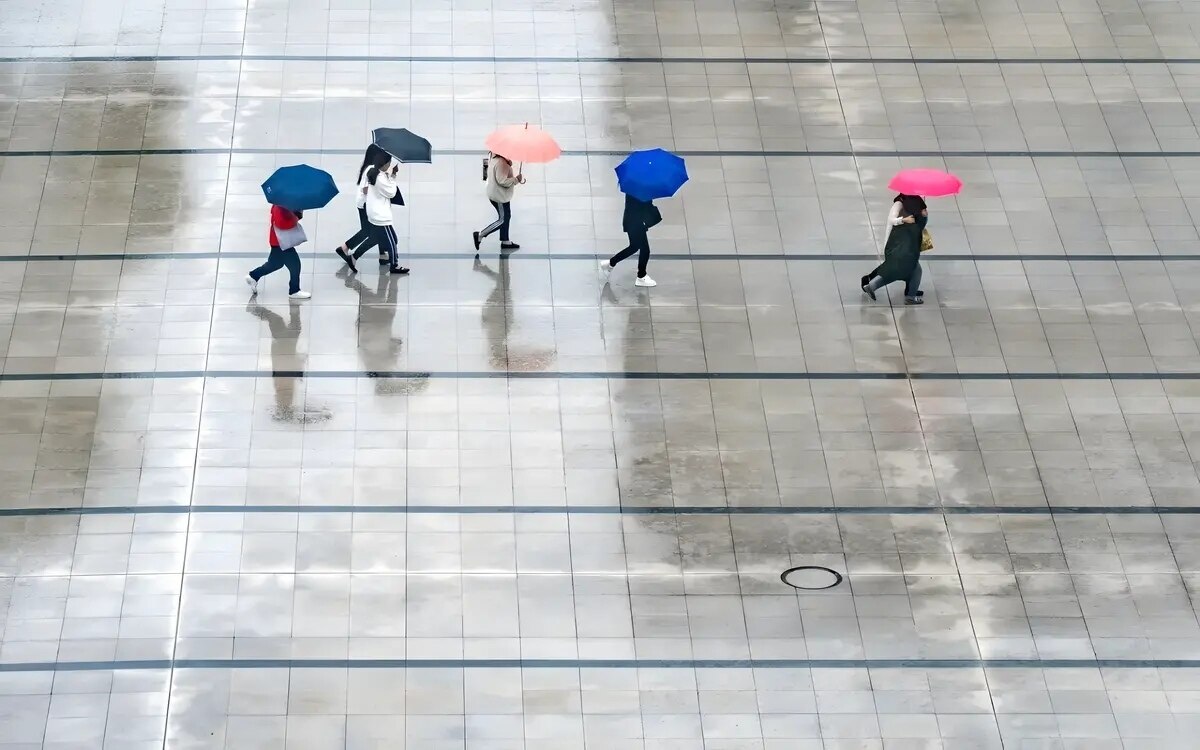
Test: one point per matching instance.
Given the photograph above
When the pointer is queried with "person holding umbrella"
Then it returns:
(380, 189)
(501, 182)
(905, 224)
(291, 190)
(644, 176)
(902, 252)
(514, 142)
(361, 241)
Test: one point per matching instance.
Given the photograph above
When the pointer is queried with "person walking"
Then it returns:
(639, 217)
(286, 233)
(380, 189)
(902, 251)
(501, 183)
(361, 241)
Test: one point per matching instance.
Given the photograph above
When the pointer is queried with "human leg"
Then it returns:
(291, 259)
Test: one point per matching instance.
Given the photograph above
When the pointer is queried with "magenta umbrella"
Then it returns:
(930, 183)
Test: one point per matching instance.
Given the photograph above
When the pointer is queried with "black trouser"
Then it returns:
(385, 237)
(639, 242)
(362, 240)
(503, 217)
(277, 260)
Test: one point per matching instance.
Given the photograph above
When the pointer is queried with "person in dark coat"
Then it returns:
(639, 217)
(902, 252)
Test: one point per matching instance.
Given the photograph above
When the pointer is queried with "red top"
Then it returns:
(282, 218)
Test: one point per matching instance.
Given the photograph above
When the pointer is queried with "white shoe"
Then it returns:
(300, 295)
(250, 282)
(605, 268)
(644, 281)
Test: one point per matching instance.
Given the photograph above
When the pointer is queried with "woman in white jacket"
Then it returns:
(896, 217)
(501, 182)
(380, 187)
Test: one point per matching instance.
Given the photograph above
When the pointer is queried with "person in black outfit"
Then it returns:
(639, 217)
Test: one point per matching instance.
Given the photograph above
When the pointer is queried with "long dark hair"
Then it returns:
(374, 157)
(913, 204)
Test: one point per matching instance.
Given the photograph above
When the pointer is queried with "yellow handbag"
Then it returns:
(926, 241)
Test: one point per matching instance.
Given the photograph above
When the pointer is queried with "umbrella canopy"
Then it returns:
(299, 187)
(930, 183)
(647, 175)
(403, 144)
(524, 143)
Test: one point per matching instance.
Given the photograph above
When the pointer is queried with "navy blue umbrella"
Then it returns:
(299, 187)
(647, 175)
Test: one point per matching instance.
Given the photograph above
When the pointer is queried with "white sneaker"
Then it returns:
(250, 282)
(300, 295)
(605, 268)
(644, 281)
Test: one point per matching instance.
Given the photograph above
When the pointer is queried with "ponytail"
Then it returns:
(372, 174)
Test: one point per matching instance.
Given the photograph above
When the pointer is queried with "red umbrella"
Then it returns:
(930, 183)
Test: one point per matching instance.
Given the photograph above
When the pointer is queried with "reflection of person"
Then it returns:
(639, 217)
(497, 320)
(378, 350)
(902, 252)
(501, 182)
(285, 337)
(381, 187)
(363, 240)
(281, 218)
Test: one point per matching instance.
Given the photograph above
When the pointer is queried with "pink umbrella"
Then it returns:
(930, 183)
(523, 143)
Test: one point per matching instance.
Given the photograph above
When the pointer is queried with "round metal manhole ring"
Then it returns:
(811, 577)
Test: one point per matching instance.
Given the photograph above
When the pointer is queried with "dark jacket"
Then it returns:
(902, 251)
(639, 215)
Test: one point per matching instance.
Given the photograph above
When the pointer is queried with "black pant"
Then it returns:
(503, 217)
(277, 260)
(639, 242)
(385, 237)
(362, 240)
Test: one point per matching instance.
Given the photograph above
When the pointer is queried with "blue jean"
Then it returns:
(277, 260)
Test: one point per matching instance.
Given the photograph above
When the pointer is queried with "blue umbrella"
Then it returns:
(299, 187)
(647, 175)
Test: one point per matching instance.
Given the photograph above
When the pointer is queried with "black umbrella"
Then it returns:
(403, 144)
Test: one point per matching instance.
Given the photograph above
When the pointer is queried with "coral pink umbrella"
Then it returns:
(930, 183)
(523, 143)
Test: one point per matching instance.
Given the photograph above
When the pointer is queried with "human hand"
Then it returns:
(520, 179)
(909, 220)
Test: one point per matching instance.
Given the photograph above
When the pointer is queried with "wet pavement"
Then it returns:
(501, 504)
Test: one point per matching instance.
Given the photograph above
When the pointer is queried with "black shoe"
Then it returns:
(865, 280)
(401, 270)
(348, 258)
(476, 239)
(509, 246)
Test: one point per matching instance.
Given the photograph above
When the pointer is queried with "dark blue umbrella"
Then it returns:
(647, 175)
(299, 187)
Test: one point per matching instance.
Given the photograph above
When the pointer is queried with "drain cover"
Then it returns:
(811, 577)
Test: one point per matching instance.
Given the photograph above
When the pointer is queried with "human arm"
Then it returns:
(894, 219)
(503, 174)
(385, 184)
(281, 218)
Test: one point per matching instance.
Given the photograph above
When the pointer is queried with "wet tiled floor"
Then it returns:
(502, 504)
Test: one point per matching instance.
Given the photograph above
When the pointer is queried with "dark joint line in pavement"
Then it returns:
(613, 59)
(123, 665)
(13, 377)
(697, 153)
(790, 257)
(609, 510)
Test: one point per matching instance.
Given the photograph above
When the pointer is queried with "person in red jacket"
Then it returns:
(283, 219)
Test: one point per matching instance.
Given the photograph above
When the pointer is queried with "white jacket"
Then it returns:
(360, 198)
(379, 198)
(501, 180)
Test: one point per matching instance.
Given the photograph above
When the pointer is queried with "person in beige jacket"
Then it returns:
(501, 183)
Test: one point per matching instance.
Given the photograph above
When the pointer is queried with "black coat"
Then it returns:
(639, 215)
(902, 252)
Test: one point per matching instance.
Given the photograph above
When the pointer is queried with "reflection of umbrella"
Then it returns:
(647, 175)
(299, 187)
(928, 182)
(403, 144)
(524, 144)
